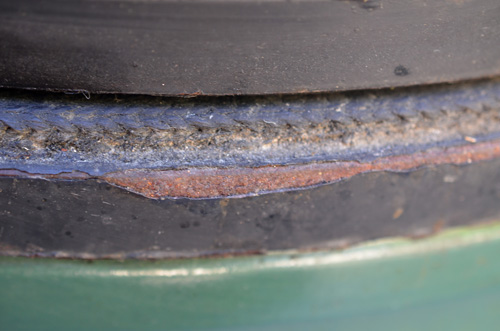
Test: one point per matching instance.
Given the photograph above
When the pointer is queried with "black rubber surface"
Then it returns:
(91, 219)
(225, 47)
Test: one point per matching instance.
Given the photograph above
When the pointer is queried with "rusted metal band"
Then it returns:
(237, 182)
(201, 183)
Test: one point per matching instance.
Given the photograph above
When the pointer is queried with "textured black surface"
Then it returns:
(244, 47)
(91, 219)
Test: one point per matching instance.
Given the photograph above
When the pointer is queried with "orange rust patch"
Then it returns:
(233, 182)
(397, 213)
(199, 183)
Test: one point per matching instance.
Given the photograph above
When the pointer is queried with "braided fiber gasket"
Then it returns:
(41, 112)
(47, 132)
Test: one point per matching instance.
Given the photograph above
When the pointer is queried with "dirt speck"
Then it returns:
(401, 71)
(397, 213)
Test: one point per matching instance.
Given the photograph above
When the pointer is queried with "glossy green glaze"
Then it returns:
(448, 282)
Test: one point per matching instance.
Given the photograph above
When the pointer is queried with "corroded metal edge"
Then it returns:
(483, 231)
(240, 182)
(203, 183)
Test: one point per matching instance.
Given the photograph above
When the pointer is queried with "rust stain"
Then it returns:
(234, 182)
(397, 213)
(191, 95)
(438, 226)
(199, 183)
